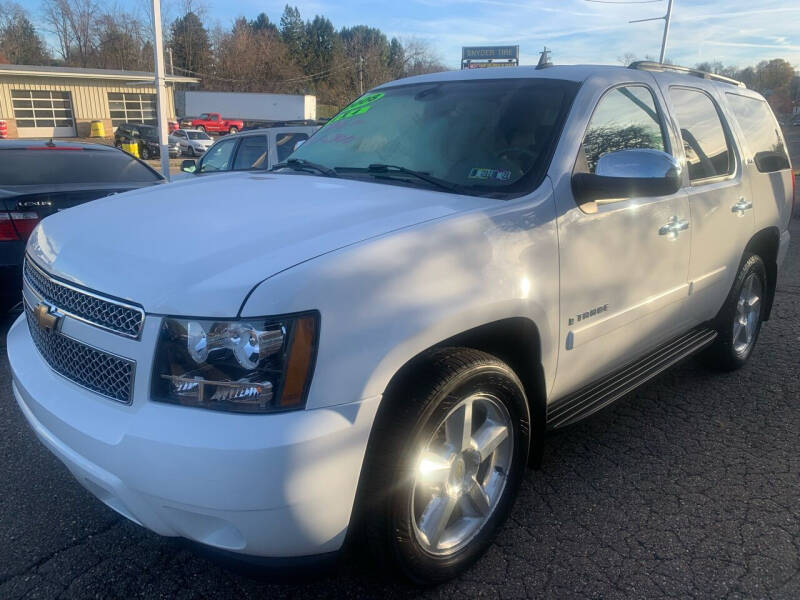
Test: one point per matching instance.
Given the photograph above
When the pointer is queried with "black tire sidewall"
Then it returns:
(497, 380)
(722, 352)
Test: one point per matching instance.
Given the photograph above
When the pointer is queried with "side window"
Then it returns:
(218, 158)
(761, 132)
(286, 143)
(704, 141)
(252, 153)
(625, 118)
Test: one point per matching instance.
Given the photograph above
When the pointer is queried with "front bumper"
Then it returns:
(278, 485)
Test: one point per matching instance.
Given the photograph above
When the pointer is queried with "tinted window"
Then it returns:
(625, 118)
(47, 167)
(286, 143)
(704, 140)
(485, 136)
(252, 153)
(218, 157)
(761, 132)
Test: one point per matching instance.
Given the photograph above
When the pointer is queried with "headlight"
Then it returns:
(247, 365)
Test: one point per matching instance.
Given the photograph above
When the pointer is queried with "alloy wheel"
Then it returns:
(748, 313)
(461, 474)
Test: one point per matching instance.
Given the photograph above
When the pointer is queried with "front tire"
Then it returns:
(446, 457)
(739, 322)
(145, 153)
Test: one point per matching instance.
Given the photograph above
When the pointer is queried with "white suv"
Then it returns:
(376, 338)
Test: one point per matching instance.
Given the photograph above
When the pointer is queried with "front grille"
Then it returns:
(98, 371)
(108, 314)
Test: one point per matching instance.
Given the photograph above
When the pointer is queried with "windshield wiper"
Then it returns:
(300, 164)
(383, 170)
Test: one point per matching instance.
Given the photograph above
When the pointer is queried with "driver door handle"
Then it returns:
(741, 206)
(673, 227)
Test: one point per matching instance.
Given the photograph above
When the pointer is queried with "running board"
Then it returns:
(601, 393)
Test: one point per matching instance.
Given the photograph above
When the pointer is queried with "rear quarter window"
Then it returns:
(761, 132)
(19, 166)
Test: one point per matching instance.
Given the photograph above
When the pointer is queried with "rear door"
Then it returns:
(720, 204)
(623, 283)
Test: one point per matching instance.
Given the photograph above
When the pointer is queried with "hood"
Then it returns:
(197, 247)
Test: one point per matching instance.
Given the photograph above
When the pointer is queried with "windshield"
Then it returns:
(484, 137)
(197, 135)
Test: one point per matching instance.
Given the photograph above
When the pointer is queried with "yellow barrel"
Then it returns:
(98, 129)
(131, 148)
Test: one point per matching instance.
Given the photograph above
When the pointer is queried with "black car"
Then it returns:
(146, 136)
(39, 178)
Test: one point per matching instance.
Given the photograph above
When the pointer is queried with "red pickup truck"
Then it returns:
(214, 123)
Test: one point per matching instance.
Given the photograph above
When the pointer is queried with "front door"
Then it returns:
(623, 275)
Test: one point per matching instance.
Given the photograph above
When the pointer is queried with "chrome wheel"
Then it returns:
(748, 313)
(461, 474)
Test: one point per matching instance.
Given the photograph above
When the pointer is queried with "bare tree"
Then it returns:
(73, 23)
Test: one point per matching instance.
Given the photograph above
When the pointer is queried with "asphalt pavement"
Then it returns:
(687, 488)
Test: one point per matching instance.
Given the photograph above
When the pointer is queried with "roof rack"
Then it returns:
(647, 65)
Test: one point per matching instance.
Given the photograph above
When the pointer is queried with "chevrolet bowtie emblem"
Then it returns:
(45, 318)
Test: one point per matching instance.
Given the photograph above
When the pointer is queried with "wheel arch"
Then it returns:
(766, 243)
(517, 342)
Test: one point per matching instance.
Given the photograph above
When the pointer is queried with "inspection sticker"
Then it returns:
(501, 174)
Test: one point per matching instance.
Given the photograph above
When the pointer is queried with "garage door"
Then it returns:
(42, 113)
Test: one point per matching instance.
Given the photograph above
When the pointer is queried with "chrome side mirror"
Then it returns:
(188, 166)
(629, 173)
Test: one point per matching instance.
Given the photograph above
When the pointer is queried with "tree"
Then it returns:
(73, 23)
(120, 38)
(19, 41)
(293, 33)
(262, 24)
(190, 43)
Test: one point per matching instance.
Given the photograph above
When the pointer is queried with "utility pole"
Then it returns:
(667, 18)
(171, 67)
(361, 75)
(161, 89)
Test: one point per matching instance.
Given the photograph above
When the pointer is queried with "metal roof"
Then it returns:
(81, 73)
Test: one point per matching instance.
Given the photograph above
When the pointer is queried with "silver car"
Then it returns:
(191, 142)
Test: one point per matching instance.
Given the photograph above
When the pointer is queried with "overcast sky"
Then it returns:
(739, 32)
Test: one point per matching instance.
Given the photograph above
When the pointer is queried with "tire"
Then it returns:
(739, 321)
(232, 130)
(145, 153)
(201, 128)
(402, 494)
(192, 152)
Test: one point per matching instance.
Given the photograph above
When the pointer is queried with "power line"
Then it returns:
(277, 82)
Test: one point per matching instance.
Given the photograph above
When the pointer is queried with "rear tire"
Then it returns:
(739, 322)
(201, 128)
(434, 497)
(232, 130)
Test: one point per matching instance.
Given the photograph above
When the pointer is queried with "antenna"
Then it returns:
(544, 59)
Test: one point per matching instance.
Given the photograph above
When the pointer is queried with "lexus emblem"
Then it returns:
(46, 319)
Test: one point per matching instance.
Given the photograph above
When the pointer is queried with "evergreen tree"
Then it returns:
(191, 45)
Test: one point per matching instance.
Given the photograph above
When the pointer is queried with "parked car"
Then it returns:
(376, 336)
(191, 142)
(216, 123)
(252, 150)
(146, 137)
(41, 178)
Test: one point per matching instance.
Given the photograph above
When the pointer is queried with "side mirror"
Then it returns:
(188, 166)
(629, 174)
(298, 144)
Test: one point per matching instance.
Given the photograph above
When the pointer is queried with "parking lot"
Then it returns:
(686, 488)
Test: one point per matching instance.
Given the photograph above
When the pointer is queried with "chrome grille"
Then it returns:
(98, 371)
(104, 313)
